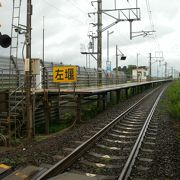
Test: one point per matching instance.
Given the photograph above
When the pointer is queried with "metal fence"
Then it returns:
(86, 77)
(11, 77)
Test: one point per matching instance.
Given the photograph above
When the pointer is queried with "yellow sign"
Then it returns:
(64, 74)
(3, 166)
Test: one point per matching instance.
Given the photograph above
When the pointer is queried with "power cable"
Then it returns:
(77, 7)
(152, 23)
(61, 12)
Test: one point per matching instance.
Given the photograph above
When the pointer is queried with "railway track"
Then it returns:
(120, 150)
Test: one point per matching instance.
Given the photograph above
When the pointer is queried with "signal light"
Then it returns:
(5, 40)
(123, 57)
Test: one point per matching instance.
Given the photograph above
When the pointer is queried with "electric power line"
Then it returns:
(63, 13)
(77, 7)
(152, 23)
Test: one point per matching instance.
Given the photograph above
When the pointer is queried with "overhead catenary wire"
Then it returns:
(64, 14)
(152, 23)
(77, 7)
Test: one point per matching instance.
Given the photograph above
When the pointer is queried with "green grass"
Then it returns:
(171, 103)
(173, 100)
(178, 136)
(8, 161)
(67, 121)
(90, 111)
(56, 126)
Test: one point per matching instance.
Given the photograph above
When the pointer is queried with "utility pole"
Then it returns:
(107, 46)
(99, 43)
(28, 72)
(116, 63)
(172, 72)
(137, 65)
(121, 15)
(122, 58)
(108, 67)
(157, 72)
(43, 49)
(150, 66)
(165, 70)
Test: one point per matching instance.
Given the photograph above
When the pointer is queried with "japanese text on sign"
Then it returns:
(64, 74)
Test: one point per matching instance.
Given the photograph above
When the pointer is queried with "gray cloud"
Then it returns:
(66, 26)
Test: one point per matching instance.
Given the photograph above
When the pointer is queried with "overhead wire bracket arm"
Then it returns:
(91, 53)
(92, 3)
(141, 33)
(110, 25)
(127, 14)
(109, 15)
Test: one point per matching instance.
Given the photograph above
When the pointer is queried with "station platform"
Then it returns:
(101, 95)
(97, 89)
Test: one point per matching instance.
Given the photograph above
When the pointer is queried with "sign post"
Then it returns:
(64, 74)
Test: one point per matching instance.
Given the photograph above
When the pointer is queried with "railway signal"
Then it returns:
(5, 40)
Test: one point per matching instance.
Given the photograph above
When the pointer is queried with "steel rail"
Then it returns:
(62, 165)
(131, 159)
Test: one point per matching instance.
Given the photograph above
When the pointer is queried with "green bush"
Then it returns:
(8, 161)
(90, 111)
(173, 95)
(68, 118)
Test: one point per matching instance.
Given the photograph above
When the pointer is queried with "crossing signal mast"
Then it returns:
(127, 14)
(18, 28)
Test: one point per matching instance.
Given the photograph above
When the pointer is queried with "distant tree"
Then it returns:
(129, 70)
(124, 68)
(119, 68)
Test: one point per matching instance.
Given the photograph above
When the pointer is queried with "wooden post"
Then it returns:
(133, 91)
(46, 112)
(78, 108)
(99, 102)
(9, 127)
(59, 97)
(126, 93)
(118, 96)
(104, 101)
(110, 94)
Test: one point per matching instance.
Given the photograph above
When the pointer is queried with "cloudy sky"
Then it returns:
(67, 26)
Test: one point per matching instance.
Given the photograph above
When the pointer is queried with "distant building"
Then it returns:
(140, 74)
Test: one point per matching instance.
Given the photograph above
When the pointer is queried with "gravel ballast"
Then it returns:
(166, 163)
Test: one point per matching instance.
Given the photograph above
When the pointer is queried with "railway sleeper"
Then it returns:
(27, 172)
(129, 125)
(112, 150)
(117, 142)
(133, 122)
(106, 156)
(121, 136)
(125, 132)
(78, 175)
(96, 168)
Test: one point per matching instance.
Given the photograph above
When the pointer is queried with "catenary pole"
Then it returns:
(150, 66)
(29, 118)
(99, 43)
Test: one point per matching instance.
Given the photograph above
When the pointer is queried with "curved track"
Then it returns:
(111, 153)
